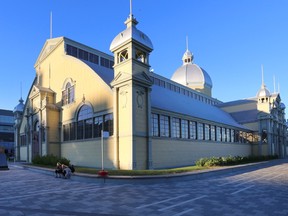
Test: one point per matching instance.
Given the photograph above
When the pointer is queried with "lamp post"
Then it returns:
(102, 172)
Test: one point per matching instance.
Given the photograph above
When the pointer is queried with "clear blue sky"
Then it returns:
(229, 39)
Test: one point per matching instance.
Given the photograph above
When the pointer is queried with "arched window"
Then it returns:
(84, 122)
(68, 94)
(140, 56)
(122, 56)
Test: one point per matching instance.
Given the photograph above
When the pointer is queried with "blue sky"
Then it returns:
(230, 39)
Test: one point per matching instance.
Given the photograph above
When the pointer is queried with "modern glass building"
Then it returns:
(7, 131)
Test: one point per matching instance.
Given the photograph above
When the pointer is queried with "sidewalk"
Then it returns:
(190, 175)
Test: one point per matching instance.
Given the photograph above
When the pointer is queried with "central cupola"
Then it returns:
(193, 76)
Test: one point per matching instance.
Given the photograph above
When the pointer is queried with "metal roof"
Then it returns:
(166, 99)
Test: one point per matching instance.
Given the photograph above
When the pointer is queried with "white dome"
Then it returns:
(190, 74)
(131, 32)
(263, 92)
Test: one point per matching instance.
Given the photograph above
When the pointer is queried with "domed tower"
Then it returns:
(193, 76)
(18, 114)
(132, 86)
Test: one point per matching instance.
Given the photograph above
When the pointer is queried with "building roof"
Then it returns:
(246, 116)
(105, 73)
(237, 102)
(6, 112)
(166, 99)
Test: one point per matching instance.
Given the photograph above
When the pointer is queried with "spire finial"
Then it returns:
(131, 14)
(51, 25)
(131, 20)
(186, 42)
(262, 75)
(274, 84)
(21, 90)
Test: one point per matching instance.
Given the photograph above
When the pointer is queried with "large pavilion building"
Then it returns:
(151, 121)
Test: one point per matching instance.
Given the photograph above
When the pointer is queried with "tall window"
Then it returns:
(72, 130)
(84, 115)
(66, 132)
(164, 126)
(218, 133)
(176, 127)
(228, 135)
(108, 123)
(155, 124)
(88, 125)
(68, 94)
(232, 135)
(213, 133)
(193, 130)
(98, 122)
(184, 129)
(207, 132)
(200, 131)
(224, 138)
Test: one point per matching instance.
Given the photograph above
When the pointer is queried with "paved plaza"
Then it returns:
(258, 190)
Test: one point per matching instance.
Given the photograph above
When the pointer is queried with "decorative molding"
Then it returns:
(139, 98)
(123, 94)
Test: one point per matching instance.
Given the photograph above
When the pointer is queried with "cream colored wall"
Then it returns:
(52, 125)
(125, 152)
(88, 153)
(263, 150)
(140, 149)
(55, 71)
(88, 84)
(174, 153)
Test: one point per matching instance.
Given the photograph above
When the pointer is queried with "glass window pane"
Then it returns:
(164, 126)
(98, 121)
(176, 127)
(184, 129)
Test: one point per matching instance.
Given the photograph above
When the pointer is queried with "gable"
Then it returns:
(48, 48)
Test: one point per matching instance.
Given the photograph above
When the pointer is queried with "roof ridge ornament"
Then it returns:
(263, 92)
(188, 56)
(131, 21)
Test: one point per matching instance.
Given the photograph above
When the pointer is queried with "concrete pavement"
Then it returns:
(259, 189)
